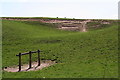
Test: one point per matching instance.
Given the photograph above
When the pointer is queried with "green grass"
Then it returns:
(98, 25)
(92, 54)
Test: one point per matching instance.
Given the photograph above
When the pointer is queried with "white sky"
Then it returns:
(81, 9)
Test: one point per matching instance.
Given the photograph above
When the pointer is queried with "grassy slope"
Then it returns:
(90, 54)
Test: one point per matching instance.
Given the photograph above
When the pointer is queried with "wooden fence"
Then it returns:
(30, 58)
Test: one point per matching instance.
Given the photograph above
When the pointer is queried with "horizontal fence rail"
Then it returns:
(28, 53)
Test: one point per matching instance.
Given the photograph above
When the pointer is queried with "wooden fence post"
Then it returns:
(30, 59)
(38, 57)
(19, 61)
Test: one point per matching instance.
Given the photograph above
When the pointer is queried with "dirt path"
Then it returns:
(84, 25)
(25, 67)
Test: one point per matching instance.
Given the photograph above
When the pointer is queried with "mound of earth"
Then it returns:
(70, 25)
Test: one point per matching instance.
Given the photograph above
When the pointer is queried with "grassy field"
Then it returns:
(92, 54)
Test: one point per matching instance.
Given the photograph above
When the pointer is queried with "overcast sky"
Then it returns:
(81, 9)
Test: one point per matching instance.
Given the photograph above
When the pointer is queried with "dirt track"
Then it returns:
(25, 67)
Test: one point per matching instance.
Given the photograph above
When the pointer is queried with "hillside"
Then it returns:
(92, 54)
(81, 25)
